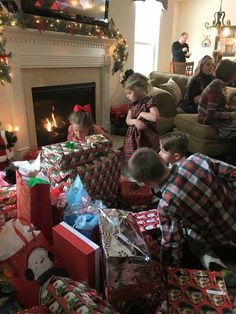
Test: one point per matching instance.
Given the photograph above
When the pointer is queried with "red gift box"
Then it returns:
(78, 254)
(34, 205)
(196, 291)
(134, 194)
(148, 221)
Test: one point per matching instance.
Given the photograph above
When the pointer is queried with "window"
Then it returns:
(147, 25)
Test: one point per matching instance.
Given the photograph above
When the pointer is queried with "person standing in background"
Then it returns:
(180, 49)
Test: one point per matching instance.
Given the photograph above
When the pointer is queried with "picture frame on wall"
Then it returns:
(227, 44)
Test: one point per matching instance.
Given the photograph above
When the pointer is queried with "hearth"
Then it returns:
(52, 106)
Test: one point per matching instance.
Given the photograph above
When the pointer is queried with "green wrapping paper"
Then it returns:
(33, 181)
(100, 177)
(67, 155)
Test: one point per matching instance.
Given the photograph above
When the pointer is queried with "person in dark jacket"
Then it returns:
(203, 76)
(180, 49)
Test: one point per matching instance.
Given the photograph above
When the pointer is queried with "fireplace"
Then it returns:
(51, 59)
(52, 106)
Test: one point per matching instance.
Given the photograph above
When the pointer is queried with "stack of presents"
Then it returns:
(65, 247)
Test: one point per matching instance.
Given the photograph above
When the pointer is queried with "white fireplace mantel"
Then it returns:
(50, 50)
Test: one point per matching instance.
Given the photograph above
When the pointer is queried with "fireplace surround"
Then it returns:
(49, 59)
(52, 106)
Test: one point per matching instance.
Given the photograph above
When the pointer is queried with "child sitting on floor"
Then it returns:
(82, 125)
(194, 196)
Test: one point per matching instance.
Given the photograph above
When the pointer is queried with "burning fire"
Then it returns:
(50, 124)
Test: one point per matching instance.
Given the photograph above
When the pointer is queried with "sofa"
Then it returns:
(167, 102)
(202, 138)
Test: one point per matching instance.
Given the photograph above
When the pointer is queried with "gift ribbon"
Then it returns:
(69, 145)
(33, 181)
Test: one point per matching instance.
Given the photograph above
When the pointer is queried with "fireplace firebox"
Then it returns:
(52, 106)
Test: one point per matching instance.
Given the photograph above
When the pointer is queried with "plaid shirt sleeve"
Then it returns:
(212, 113)
(172, 235)
(224, 171)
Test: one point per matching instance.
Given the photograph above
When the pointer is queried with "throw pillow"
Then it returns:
(172, 87)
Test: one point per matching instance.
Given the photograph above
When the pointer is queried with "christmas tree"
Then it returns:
(4, 68)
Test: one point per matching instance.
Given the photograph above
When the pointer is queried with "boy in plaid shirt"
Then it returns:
(195, 195)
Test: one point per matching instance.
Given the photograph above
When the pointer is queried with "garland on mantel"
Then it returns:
(50, 24)
(5, 75)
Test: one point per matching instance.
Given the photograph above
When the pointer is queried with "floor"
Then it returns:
(118, 141)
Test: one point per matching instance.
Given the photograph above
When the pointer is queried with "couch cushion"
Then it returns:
(188, 123)
(172, 87)
(165, 125)
(158, 78)
(165, 102)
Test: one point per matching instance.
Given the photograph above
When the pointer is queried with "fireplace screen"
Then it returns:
(52, 106)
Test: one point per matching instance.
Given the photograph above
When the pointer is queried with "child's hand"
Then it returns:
(140, 116)
(139, 124)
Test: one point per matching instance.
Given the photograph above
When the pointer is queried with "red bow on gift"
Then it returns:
(78, 108)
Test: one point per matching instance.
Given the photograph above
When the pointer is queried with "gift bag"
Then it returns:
(34, 205)
(76, 194)
(31, 264)
(129, 271)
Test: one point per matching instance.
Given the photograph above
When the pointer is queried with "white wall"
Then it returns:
(169, 19)
(193, 14)
(123, 14)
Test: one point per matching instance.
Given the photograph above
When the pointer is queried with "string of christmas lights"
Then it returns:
(22, 20)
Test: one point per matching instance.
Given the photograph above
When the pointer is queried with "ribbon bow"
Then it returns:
(78, 108)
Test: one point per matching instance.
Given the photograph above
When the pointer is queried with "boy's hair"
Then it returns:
(226, 70)
(145, 165)
(175, 142)
(137, 81)
(82, 118)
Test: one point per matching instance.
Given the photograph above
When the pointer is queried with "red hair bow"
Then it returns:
(78, 108)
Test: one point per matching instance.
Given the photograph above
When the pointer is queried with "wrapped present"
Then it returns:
(68, 155)
(148, 221)
(7, 195)
(8, 208)
(134, 194)
(37, 309)
(34, 204)
(100, 177)
(196, 291)
(129, 271)
(63, 295)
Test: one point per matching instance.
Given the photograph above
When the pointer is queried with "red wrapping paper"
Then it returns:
(196, 292)
(34, 205)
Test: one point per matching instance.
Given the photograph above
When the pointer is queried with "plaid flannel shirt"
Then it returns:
(196, 195)
(213, 107)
